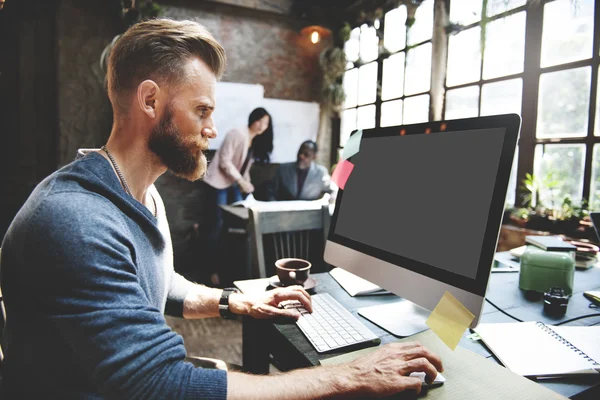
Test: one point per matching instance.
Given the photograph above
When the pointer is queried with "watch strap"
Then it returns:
(224, 310)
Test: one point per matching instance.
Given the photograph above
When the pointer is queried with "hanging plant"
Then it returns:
(333, 65)
(134, 11)
(344, 32)
(334, 96)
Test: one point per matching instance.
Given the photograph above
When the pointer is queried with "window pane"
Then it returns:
(418, 70)
(369, 43)
(365, 117)
(568, 31)
(351, 46)
(391, 113)
(393, 77)
(512, 182)
(416, 109)
(559, 169)
(502, 97)
(504, 46)
(367, 83)
(422, 29)
(462, 103)
(464, 57)
(394, 37)
(347, 125)
(495, 7)
(465, 12)
(597, 125)
(351, 88)
(595, 187)
(563, 105)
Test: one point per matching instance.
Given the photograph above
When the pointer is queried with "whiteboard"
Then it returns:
(293, 123)
(235, 102)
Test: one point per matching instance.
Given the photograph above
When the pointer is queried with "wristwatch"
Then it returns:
(224, 310)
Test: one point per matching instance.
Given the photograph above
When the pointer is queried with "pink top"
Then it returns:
(224, 169)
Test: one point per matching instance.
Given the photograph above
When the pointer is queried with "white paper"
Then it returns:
(353, 284)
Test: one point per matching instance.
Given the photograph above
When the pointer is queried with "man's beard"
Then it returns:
(185, 160)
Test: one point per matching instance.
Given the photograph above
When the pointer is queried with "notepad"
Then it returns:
(535, 349)
(355, 285)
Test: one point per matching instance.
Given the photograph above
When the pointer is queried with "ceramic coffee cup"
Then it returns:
(292, 271)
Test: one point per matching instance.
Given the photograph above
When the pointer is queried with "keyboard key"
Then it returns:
(331, 326)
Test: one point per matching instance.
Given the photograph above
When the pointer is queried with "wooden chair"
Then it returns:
(282, 234)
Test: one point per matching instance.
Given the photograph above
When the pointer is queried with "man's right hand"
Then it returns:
(246, 186)
(385, 371)
(378, 374)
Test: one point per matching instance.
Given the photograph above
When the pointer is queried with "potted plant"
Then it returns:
(556, 214)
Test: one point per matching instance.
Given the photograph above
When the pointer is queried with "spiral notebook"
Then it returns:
(539, 350)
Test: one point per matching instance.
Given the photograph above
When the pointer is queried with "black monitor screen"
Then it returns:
(423, 201)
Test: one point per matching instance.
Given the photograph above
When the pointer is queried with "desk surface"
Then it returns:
(286, 339)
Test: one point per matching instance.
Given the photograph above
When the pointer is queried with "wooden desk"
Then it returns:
(290, 349)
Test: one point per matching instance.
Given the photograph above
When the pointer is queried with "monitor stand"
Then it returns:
(403, 318)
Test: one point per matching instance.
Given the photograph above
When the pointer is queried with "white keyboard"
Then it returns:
(330, 326)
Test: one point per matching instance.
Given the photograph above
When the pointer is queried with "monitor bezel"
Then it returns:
(478, 285)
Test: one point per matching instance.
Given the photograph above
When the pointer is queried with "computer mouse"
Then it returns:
(438, 381)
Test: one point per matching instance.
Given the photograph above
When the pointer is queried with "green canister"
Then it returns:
(541, 270)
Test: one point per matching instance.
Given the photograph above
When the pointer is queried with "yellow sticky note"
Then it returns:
(449, 320)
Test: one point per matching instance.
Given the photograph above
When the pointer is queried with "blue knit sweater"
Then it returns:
(86, 275)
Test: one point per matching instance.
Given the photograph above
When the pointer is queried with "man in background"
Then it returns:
(303, 179)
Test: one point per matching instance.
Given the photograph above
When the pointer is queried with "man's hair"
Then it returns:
(310, 144)
(158, 49)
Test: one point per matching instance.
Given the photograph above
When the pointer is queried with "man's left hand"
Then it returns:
(266, 305)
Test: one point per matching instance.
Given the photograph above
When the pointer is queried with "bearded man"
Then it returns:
(87, 263)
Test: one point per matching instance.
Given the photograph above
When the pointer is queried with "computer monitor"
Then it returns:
(421, 211)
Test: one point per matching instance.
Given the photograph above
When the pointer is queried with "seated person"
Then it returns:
(303, 179)
(87, 263)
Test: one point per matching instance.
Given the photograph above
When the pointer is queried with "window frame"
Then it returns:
(532, 71)
(530, 98)
(336, 148)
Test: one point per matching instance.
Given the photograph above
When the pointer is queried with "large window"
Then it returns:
(565, 145)
(540, 60)
(400, 68)
(486, 60)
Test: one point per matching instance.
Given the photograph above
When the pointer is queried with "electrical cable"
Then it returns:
(575, 319)
(560, 323)
(503, 312)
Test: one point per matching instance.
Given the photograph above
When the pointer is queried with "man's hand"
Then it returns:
(379, 374)
(246, 186)
(385, 371)
(265, 305)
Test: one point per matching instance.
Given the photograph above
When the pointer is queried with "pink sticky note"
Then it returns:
(342, 172)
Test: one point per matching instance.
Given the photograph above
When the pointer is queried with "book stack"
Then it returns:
(586, 254)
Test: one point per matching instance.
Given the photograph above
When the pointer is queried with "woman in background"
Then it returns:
(228, 174)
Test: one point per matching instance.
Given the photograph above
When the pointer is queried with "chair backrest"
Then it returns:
(282, 234)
